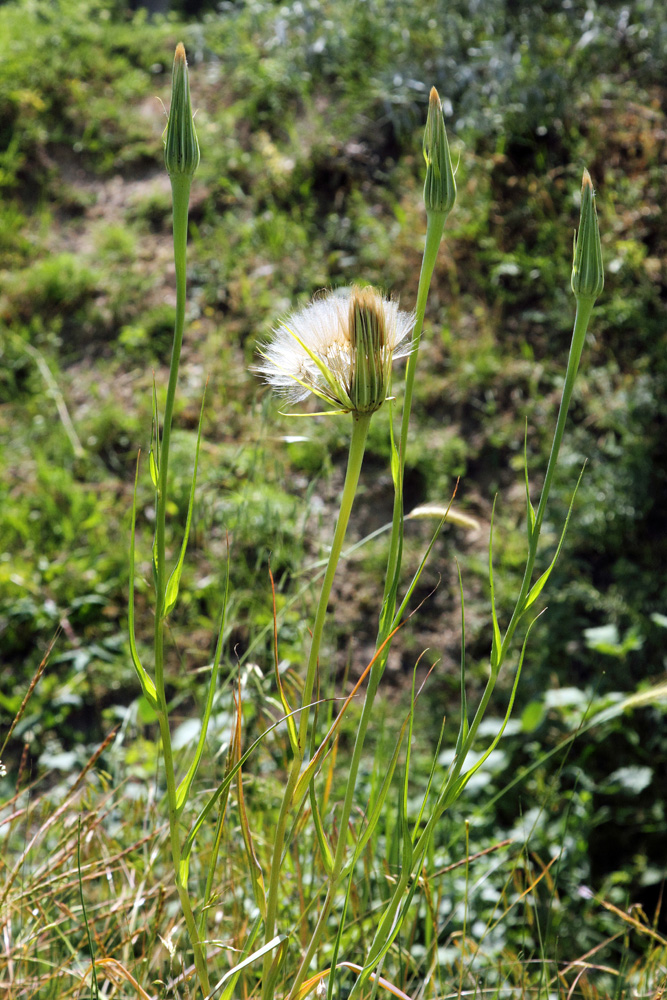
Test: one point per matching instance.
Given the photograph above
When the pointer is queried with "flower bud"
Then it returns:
(368, 339)
(440, 186)
(587, 269)
(181, 149)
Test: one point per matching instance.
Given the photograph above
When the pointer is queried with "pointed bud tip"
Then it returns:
(179, 55)
(434, 97)
(586, 181)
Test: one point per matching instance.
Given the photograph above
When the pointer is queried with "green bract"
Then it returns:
(181, 149)
(440, 186)
(587, 269)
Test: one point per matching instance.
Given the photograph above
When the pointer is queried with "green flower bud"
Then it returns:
(587, 269)
(440, 186)
(368, 341)
(181, 149)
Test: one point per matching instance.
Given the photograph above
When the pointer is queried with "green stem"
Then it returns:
(581, 320)
(355, 458)
(434, 229)
(582, 317)
(180, 186)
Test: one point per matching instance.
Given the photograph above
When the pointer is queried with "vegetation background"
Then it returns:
(310, 118)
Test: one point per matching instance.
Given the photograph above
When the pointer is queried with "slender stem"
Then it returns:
(582, 317)
(581, 320)
(434, 228)
(180, 186)
(355, 458)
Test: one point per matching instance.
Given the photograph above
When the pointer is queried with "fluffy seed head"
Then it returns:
(340, 347)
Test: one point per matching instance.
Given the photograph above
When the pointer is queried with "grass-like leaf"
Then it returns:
(539, 585)
(173, 584)
(496, 644)
(186, 782)
(147, 684)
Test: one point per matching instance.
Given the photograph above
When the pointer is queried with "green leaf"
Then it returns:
(147, 684)
(152, 465)
(465, 778)
(173, 584)
(463, 725)
(325, 849)
(185, 784)
(530, 510)
(538, 587)
(234, 972)
(496, 645)
(532, 716)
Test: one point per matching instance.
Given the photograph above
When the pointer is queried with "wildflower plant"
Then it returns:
(340, 348)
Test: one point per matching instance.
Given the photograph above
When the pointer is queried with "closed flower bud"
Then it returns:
(440, 186)
(181, 149)
(587, 269)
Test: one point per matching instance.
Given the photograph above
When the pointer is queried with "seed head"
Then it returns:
(181, 149)
(440, 186)
(587, 269)
(340, 347)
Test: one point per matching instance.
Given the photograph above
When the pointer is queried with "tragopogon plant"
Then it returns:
(341, 348)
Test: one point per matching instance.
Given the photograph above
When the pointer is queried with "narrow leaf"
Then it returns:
(184, 786)
(325, 849)
(152, 465)
(497, 642)
(240, 966)
(147, 685)
(174, 581)
(256, 874)
(539, 585)
(530, 510)
(463, 725)
(291, 726)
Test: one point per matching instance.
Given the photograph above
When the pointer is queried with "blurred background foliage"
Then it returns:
(310, 118)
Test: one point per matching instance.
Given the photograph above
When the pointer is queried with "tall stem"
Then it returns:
(581, 320)
(180, 186)
(360, 426)
(434, 228)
